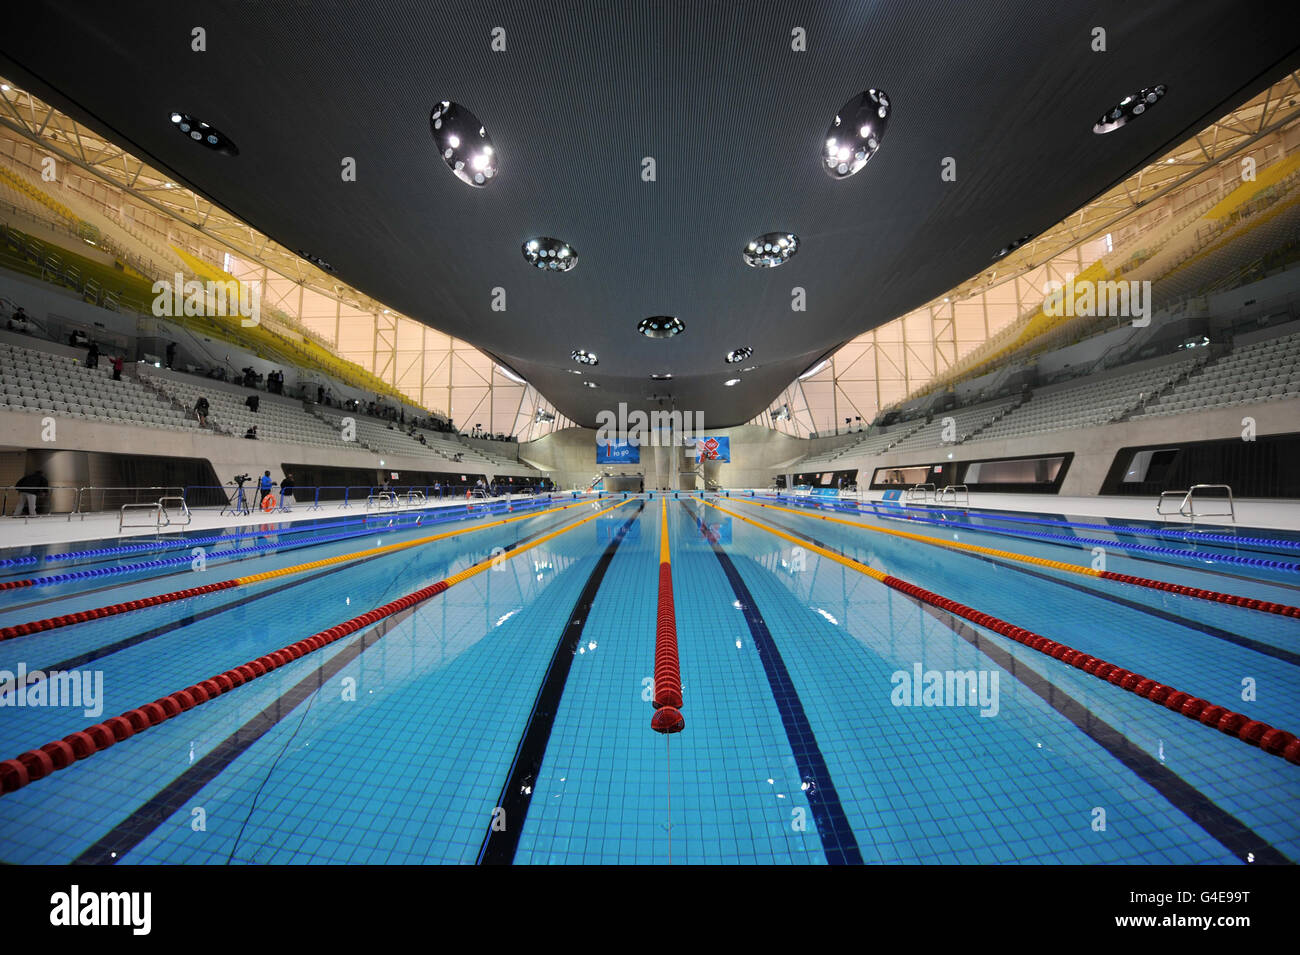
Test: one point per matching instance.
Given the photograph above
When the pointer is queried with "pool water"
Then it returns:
(507, 719)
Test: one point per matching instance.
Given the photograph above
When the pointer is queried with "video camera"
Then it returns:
(240, 479)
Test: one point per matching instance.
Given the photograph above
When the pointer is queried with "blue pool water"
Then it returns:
(400, 743)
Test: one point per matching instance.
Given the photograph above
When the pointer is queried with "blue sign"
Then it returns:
(617, 452)
(712, 449)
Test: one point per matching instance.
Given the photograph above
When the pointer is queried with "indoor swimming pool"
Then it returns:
(498, 707)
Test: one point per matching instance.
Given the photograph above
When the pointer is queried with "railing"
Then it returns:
(1187, 502)
(920, 492)
(958, 491)
(92, 498)
(161, 516)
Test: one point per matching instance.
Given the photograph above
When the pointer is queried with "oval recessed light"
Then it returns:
(664, 377)
(738, 355)
(584, 357)
(591, 384)
(770, 250)
(660, 326)
(1012, 246)
(200, 132)
(573, 371)
(855, 134)
(1128, 109)
(731, 382)
(463, 143)
(550, 254)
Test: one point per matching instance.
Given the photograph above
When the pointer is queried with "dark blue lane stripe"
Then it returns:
(1227, 829)
(132, 830)
(1227, 636)
(1230, 832)
(499, 845)
(838, 841)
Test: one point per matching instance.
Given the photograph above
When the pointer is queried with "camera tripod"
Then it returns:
(237, 503)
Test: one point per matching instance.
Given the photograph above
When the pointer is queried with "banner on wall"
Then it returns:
(713, 449)
(616, 451)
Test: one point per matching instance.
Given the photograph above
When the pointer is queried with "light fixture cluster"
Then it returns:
(1128, 109)
(771, 249)
(855, 134)
(738, 355)
(1010, 247)
(315, 260)
(200, 132)
(554, 255)
(661, 326)
(464, 143)
(584, 357)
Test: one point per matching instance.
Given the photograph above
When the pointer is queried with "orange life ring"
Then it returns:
(269, 502)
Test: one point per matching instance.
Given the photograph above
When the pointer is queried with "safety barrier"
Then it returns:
(1274, 741)
(38, 763)
(668, 675)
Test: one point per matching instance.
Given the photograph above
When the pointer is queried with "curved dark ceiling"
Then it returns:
(733, 117)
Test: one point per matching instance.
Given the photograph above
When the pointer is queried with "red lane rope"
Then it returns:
(668, 673)
(1267, 606)
(81, 616)
(59, 754)
(1270, 739)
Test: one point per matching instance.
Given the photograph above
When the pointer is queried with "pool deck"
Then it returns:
(1281, 515)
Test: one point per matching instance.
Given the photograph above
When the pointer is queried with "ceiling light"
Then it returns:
(664, 377)
(1012, 246)
(660, 326)
(315, 260)
(856, 134)
(584, 357)
(770, 250)
(201, 132)
(1128, 109)
(731, 382)
(463, 143)
(550, 254)
(591, 384)
(738, 355)
(573, 371)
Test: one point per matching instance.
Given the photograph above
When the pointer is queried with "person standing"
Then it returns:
(117, 367)
(286, 492)
(92, 355)
(28, 486)
(201, 411)
(264, 486)
(171, 353)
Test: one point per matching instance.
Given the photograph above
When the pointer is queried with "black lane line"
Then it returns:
(499, 845)
(1230, 832)
(1227, 829)
(1118, 545)
(125, 643)
(1227, 636)
(838, 841)
(135, 828)
(138, 826)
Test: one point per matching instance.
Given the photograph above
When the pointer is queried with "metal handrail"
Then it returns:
(956, 490)
(1187, 504)
(921, 492)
